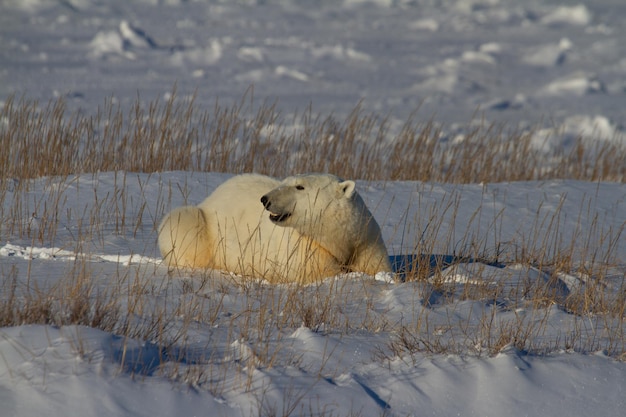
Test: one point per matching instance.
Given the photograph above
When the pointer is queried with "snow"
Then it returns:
(231, 347)
(394, 56)
(568, 15)
(338, 362)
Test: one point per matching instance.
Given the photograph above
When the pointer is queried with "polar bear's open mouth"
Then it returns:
(277, 218)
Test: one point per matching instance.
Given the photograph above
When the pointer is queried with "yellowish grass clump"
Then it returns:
(174, 135)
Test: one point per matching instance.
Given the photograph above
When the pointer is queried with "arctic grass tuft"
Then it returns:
(46, 140)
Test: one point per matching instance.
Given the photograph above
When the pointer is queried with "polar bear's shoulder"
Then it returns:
(246, 185)
(241, 192)
(249, 181)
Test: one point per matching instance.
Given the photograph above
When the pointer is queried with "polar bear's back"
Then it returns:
(240, 195)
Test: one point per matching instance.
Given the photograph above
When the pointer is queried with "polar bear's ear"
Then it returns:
(347, 187)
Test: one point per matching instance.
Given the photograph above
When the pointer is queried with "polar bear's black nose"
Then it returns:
(265, 202)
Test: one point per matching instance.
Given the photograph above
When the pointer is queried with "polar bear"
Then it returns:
(301, 229)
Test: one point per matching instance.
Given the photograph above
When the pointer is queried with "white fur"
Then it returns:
(321, 228)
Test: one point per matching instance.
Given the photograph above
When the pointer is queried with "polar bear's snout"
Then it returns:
(275, 216)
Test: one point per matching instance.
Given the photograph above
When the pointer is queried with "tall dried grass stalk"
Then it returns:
(175, 135)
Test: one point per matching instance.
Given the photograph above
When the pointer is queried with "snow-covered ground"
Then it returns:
(524, 62)
(478, 340)
(404, 348)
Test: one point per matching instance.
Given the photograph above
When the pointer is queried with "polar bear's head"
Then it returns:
(303, 201)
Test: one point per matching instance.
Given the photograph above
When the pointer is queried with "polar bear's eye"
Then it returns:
(299, 187)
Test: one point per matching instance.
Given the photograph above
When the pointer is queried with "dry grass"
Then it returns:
(44, 140)
(469, 304)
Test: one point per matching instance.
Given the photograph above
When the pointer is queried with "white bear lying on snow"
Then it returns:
(317, 226)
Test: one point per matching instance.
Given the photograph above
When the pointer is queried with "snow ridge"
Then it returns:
(33, 252)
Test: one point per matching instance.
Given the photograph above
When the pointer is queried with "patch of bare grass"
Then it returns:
(47, 140)
(491, 294)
